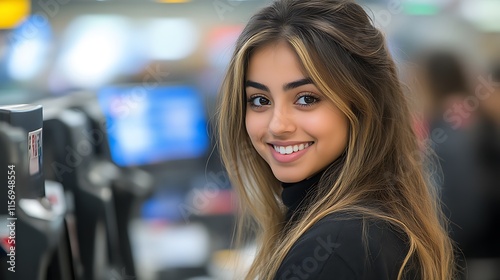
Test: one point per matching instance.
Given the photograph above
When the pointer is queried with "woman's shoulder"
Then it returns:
(351, 228)
(347, 246)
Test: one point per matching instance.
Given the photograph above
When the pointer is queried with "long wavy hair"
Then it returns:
(382, 172)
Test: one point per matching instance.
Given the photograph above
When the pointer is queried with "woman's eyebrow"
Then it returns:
(296, 84)
(286, 87)
(256, 85)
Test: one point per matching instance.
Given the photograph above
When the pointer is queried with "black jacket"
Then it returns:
(339, 247)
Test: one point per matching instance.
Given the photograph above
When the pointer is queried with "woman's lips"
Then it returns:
(289, 153)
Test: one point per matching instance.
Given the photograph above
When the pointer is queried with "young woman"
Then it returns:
(316, 136)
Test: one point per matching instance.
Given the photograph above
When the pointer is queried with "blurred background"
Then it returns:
(142, 76)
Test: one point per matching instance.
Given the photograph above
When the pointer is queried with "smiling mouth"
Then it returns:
(287, 150)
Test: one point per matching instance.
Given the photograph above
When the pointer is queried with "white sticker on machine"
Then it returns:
(35, 151)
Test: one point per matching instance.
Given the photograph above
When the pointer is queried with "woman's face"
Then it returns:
(291, 124)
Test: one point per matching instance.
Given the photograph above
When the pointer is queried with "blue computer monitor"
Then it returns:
(148, 125)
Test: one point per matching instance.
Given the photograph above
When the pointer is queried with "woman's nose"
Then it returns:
(281, 122)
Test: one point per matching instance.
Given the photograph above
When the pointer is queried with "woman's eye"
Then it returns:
(259, 101)
(307, 100)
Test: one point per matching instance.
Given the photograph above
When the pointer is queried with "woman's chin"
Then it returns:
(289, 177)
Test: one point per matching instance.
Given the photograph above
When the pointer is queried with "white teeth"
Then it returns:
(290, 149)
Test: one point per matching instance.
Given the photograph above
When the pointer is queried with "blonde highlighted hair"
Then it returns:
(380, 175)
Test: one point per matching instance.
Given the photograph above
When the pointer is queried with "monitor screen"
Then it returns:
(154, 125)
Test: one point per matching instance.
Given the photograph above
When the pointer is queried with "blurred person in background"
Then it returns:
(489, 153)
(316, 135)
(458, 123)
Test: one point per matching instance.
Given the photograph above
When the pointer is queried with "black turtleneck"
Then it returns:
(334, 248)
(294, 195)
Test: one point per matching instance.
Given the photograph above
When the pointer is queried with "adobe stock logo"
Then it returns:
(312, 263)
(222, 7)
